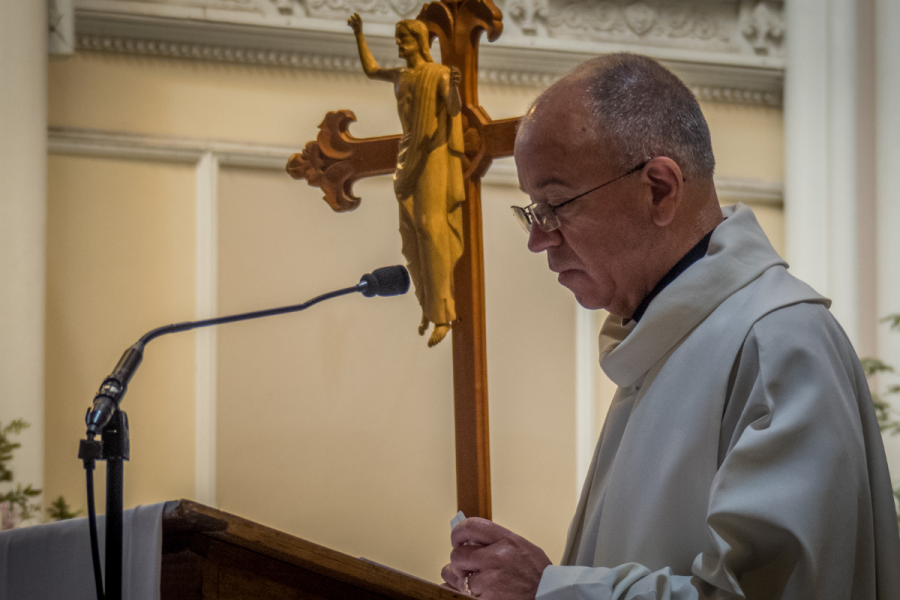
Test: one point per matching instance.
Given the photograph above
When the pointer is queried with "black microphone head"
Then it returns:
(386, 281)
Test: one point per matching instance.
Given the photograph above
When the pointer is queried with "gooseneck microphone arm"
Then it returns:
(104, 417)
(258, 314)
(386, 281)
(114, 387)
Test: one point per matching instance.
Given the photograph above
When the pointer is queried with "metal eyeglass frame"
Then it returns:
(544, 214)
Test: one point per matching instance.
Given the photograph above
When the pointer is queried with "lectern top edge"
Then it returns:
(206, 550)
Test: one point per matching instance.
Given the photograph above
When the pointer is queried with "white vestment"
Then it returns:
(740, 457)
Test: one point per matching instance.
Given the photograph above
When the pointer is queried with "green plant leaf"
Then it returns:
(59, 510)
(872, 366)
(19, 497)
(14, 427)
(897, 502)
(893, 319)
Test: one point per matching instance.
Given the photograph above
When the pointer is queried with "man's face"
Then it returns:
(598, 248)
(407, 46)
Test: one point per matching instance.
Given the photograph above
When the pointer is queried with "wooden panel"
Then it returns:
(227, 572)
(209, 554)
(182, 576)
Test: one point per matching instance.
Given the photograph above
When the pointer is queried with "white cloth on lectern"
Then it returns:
(740, 457)
(53, 561)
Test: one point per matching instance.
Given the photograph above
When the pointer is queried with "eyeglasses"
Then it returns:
(544, 214)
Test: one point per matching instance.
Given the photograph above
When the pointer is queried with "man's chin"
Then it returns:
(582, 287)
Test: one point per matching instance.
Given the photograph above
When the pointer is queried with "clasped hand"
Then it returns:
(455, 76)
(499, 564)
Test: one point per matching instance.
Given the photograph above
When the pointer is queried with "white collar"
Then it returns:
(739, 252)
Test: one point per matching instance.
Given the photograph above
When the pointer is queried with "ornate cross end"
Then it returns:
(458, 25)
(456, 20)
(335, 160)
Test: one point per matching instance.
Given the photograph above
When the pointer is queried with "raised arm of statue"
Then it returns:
(369, 64)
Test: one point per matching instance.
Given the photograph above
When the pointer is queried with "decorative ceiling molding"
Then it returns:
(736, 95)
(138, 146)
(750, 27)
(740, 62)
(60, 27)
(749, 191)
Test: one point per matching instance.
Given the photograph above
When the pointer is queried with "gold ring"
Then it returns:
(468, 589)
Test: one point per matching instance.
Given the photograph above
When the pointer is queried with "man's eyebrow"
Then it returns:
(552, 180)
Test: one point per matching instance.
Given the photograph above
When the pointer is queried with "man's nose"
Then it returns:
(540, 240)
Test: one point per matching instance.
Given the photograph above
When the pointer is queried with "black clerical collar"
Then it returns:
(693, 255)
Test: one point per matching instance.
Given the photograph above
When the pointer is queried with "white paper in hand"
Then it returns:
(459, 518)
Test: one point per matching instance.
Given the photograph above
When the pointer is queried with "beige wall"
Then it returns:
(335, 425)
(350, 415)
(120, 248)
(748, 142)
(210, 100)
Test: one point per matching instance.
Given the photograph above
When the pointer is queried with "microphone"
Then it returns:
(386, 281)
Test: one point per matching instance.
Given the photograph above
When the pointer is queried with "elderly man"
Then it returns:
(740, 457)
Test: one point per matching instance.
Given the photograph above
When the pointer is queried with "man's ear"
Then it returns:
(666, 182)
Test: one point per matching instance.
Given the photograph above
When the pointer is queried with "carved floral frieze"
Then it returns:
(642, 19)
(749, 26)
(762, 24)
(378, 10)
(391, 9)
(240, 5)
(726, 50)
(753, 27)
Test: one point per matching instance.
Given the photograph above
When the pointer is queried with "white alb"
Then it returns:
(740, 457)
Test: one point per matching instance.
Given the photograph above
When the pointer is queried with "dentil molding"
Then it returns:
(726, 50)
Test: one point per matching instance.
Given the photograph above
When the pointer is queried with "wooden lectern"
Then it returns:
(209, 554)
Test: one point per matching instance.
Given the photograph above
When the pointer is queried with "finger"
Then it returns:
(450, 577)
(475, 530)
(459, 574)
(466, 559)
(473, 588)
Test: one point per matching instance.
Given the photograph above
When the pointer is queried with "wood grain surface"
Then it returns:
(209, 554)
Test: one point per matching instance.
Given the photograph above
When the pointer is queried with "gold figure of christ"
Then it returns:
(428, 181)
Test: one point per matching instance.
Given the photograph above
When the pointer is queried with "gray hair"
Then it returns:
(645, 111)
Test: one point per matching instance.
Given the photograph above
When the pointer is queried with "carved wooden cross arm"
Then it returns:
(337, 159)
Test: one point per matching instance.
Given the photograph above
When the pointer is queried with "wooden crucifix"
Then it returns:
(337, 159)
